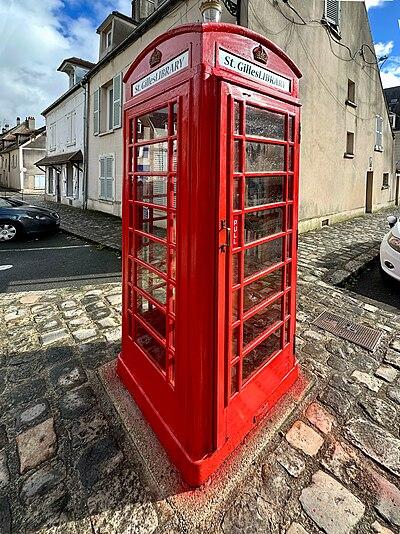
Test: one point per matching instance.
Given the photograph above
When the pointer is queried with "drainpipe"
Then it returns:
(85, 84)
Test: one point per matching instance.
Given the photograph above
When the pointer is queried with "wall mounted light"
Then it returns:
(211, 10)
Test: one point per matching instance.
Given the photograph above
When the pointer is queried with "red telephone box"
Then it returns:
(210, 197)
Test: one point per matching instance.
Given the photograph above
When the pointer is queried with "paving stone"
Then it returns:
(15, 315)
(290, 460)
(30, 298)
(115, 300)
(343, 383)
(87, 429)
(5, 516)
(32, 414)
(249, 514)
(304, 438)
(108, 322)
(375, 442)
(101, 458)
(395, 344)
(4, 473)
(36, 445)
(393, 358)
(113, 335)
(330, 505)
(296, 528)
(394, 394)
(3, 437)
(337, 400)
(341, 460)
(68, 375)
(85, 333)
(320, 418)
(380, 411)
(54, 337)
(76, 402)
(41, 482)
(379, 529)
(386, 495)
(22, 394)
(59, 354)
(386, 372)
(372, 383)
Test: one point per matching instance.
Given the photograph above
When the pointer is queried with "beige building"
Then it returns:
(20, 148)
(347, 160)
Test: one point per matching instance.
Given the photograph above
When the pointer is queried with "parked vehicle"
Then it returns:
(17, 219)
(390, 250)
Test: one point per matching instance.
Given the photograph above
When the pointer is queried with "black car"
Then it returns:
(18, 219)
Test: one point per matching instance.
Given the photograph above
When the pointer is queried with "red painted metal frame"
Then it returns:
(193, 411)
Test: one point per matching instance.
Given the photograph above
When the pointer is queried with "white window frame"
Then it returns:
(327, 14)
(117, 101)
(96, 111)
(110, 108)
(378, 133)
(392, 117)
(108, 39)
(52, 137)
(108, 179)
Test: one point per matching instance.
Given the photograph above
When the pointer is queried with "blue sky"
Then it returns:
(384, 18)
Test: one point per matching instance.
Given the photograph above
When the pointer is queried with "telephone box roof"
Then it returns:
(216, 28)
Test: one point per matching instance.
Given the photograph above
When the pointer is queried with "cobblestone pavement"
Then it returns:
(65, 461)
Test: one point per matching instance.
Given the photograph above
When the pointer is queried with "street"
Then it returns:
(369, 283)
(58, 260)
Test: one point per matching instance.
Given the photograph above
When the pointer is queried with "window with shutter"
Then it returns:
(332, 12)
(117, 104)
(96, 112)
(106, 177)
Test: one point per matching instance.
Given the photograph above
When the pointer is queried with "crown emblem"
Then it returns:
(155, 57)
(260, 54)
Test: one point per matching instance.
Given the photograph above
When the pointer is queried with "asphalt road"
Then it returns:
(370, 284)
(58, 260)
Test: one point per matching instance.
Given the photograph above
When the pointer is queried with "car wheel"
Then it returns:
(8, 231)
(385, 276)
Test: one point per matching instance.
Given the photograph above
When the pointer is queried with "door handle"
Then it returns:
(228, 236)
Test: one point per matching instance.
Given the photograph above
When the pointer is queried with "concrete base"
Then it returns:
(196, 506)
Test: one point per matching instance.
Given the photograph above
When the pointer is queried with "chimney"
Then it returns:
(18, 121)
(31, 123)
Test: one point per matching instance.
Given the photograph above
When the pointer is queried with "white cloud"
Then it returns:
(375, 3)
(383, 49)
(390, 72)
(35, 38)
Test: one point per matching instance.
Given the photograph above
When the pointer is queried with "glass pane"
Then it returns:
(234, 379)
(152, 125)
(290, 187)
(152, 189)
(262, 223)
(236, 194)
(151, 314)
(262, 289)
(151, 221)
(174, 154)
(235, 269)
(291, 158)
(175, 119)
(172, 259)
(237, 118)
(261, 157)
(265, 123)
(152, 158)
(237, 155)
(261, 257)
(291, 128)
(288, 274)
(261, 321)
(152, 253)
(264, 190)
(174, 191)
(235, 343)
(235, 306)
(155, 286)
(152, 348)
(262, 353)
(288, 303)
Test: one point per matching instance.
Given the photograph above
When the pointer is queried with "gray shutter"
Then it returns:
(117, 100)
(332, 11)
(109, 169)
(102, 177)
(96, 111)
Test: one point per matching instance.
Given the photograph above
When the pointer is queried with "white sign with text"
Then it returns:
(162, 73)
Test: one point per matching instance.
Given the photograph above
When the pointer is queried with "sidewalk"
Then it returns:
(91, 225)
(68, 463)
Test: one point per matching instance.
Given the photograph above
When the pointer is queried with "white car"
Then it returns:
(390, 250)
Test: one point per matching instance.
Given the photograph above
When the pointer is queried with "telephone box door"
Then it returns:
(260, 267)
(153, 133)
